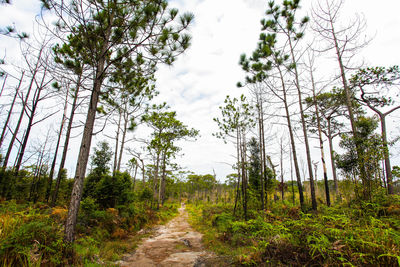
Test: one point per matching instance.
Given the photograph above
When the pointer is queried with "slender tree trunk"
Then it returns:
(238, 168)
(21, 116)
(24, 103)
(349, 106)
(383, 174)
(134, 178)
(4, 84)
(117, 143)
(282, 183)
(35, 175)
(143, 171)
(155, 181)
(330, 140)
(35, 103)
(53, 164)
(303, 122)
(264, 162)
(244, 175)
(161, 191)
(121, 151)
(292, 141)
(66, 142)
(291, 177)
(321, 142)
(388, 167)
(262, 171)
(11, 109)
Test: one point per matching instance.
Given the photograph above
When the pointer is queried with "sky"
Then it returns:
(198, 82)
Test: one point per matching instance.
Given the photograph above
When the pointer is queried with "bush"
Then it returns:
(29, 237)
(362, 236)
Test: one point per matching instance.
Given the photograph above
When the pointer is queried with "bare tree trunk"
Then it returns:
(143, 171)
(244, 175)
(11, 109)
(162, 181)
(238, 168)
(261, 159)
(35, 103)
(21, 115)
(330, 139)
(264, 161)
(134, 178)
(291, 177)
(121, 151)
(321, 142)
(66, 143)
(282, 183)
(292, 140)
(35, 175)
(349, 106)
(4, 84)
(155, 179)
(53, 164)
(388, 167)
(303, 122)
(117, 143)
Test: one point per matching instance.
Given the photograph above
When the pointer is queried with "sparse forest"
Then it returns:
(313, 178)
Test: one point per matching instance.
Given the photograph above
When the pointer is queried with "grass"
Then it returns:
(364, 235)
(32, 235)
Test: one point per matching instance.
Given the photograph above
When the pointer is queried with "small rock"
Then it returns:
(186, 242)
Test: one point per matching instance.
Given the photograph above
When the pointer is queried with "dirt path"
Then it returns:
(173, 244)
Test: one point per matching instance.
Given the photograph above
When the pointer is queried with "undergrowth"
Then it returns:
(32, 235)
(367, 234)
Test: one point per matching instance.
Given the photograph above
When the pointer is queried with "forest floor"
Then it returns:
(173, 244)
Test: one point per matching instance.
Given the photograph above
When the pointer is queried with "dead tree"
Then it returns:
(346, 42)
(5, 127)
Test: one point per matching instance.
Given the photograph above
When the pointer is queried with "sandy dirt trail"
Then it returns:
(173, 244)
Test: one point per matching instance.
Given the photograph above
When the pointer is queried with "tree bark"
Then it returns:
(24, 103)
(244, 175)
(349, 106)
(35, 103)
(11, 109)
(121, 151)
(117, 143)
(66, 143)
(262, 150)
(238, 168)
(303, 122)
(330, 140)
(282, 183)
(292, 141)
(84, 151)
(163, 179)
(4, 84)
(53, 164)
(321, 142)
(388, 167)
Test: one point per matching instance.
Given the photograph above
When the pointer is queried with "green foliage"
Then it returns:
(101, 158)
(255, 161)
(365, 234)
(29, 235)
(372, 153)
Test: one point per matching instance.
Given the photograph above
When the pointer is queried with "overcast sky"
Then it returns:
(199, 81)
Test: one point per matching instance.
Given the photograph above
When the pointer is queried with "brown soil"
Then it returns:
(173, 244)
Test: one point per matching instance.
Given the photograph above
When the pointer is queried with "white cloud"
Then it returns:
(201, 78)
